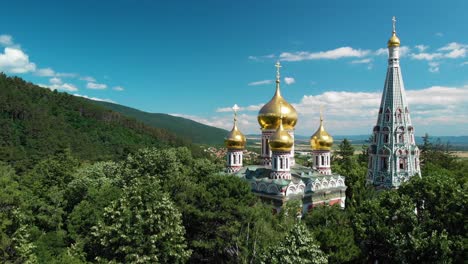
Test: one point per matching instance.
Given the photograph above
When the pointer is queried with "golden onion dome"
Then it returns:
(235, 139)
(269, 115)
(321, 140)
(281, 140)
(394, 41)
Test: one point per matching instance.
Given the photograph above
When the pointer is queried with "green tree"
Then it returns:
(142, 226)
(10, 201)
(332, 227)
(298, 246)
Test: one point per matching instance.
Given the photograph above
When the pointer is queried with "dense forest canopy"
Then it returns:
(186, 128)
(131, 194)
(37, 122)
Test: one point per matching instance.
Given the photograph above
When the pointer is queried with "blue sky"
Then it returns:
(198, 58)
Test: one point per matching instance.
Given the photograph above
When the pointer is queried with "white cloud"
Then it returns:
(57, 84)
(118, 88)
(439, 34)
(381, 51)
(464, 63)
(45, 72)
(434, 66)
(343, 52)
(60, 86)
(244, 121)
(6, 40)
(363, 61)
(289, 80)
(260, 82)
(246, 108)
(96, 86)
(421, 48)
(14, 60)
(455, 50)
(260, 58)
(67, 75)
(426, 56)
(348, 113)
(95, 98)
(88, 79)
(55, 80)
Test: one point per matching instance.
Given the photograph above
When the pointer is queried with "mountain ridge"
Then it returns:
(196, 132)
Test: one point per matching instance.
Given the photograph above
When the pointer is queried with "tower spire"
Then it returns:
(393, 154)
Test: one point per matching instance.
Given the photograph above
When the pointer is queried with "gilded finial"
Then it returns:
(278, 66)
(321, 113)
(235, 108)
(394, 24)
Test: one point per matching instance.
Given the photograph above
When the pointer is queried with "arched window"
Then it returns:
(385, 138)
(383, 163)
(323, 160)
(398, 115)
(287, 163)
(235, 159)
(411, 134)
(385, 135)
(376, 133)
(281, 163)
(316, 161)
(387, 115)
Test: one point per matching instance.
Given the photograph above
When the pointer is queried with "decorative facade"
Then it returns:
(278, 178)
(393, 154)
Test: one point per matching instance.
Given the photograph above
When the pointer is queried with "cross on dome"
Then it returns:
(278, 66)
(394, 24)
(235, 108)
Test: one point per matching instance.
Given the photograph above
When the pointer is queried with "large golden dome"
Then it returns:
(281, 140)
(235, 139)
(269, 115)
(321, 140)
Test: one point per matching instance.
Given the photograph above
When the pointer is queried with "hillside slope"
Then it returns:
(194, 131)
(36, 122)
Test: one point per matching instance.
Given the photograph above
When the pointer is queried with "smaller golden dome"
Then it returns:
(321, 140)
(394, 41)
(281, 140)
(235, 139)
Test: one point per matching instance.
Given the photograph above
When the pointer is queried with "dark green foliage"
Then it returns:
(298, 246)
(189, 129)
(10, 201)
(142, 226)
(36, 122)
(333, 229)
(347, 164)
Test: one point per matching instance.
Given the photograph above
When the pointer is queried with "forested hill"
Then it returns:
(196, 132)
(36, 122)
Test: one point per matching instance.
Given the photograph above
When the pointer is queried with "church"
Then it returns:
(277, 179)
